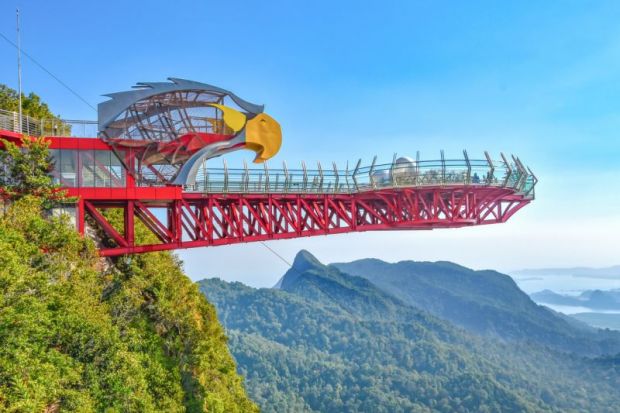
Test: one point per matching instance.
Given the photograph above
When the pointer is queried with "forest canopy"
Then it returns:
(32, 105)
(80, 333)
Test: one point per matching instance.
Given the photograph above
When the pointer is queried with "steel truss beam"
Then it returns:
(197, 220)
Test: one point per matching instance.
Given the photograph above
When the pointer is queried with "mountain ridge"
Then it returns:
(331, 341)
(484, 302)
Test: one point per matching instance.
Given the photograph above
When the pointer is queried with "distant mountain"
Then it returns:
(607, 272)
(327, 341)
(483, 302)
(550, 297)
(593, 299)
(311, 279)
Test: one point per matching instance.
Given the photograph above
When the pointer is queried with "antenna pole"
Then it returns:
(19, 73)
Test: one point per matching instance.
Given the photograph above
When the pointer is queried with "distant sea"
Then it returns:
(565, 284)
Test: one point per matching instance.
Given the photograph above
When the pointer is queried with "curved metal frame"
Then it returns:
(109, 110)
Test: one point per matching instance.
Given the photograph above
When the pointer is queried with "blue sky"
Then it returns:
(353, 79)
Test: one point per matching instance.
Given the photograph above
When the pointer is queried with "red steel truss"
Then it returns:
(181, 219)
(197, 220)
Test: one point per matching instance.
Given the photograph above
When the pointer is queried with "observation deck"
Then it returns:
(400, 173)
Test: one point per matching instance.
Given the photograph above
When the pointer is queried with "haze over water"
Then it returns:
(566, 284)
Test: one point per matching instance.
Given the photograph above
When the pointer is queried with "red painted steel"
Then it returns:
(189, 219)
(198, 220)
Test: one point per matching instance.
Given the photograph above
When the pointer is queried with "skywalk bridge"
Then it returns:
(152, 157)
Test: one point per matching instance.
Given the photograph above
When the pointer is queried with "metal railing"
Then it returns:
(47, 127)
(505, 173)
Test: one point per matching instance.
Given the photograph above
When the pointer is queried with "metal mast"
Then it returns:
(19, 73)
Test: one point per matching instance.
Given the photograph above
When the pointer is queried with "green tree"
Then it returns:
(31, 104)
(327, 341)
(79, 333)
(25, 170)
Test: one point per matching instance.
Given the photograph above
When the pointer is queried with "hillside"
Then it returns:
(82, 334)
(483, 302)
(329, 341)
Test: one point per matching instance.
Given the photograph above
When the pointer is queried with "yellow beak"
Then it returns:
(263, 135)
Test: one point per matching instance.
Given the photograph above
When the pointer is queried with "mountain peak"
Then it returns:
(303, 262)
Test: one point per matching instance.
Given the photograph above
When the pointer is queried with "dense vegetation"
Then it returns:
(31, 104)
(483, 302)
(24, 170)
(331, 342)
(78, 333)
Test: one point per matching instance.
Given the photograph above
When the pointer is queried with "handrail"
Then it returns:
(440, 172)
(421, 173)
(47, 127)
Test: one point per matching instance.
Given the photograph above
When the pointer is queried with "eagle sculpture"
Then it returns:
(171, 128)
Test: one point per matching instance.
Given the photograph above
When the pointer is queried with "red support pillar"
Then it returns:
(129, 223)
(177, 219)
(130, 162)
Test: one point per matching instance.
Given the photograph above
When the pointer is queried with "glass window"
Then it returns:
(87, 161)
(55, 159)
(66, 163)
(117, 170)
(102, 169)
